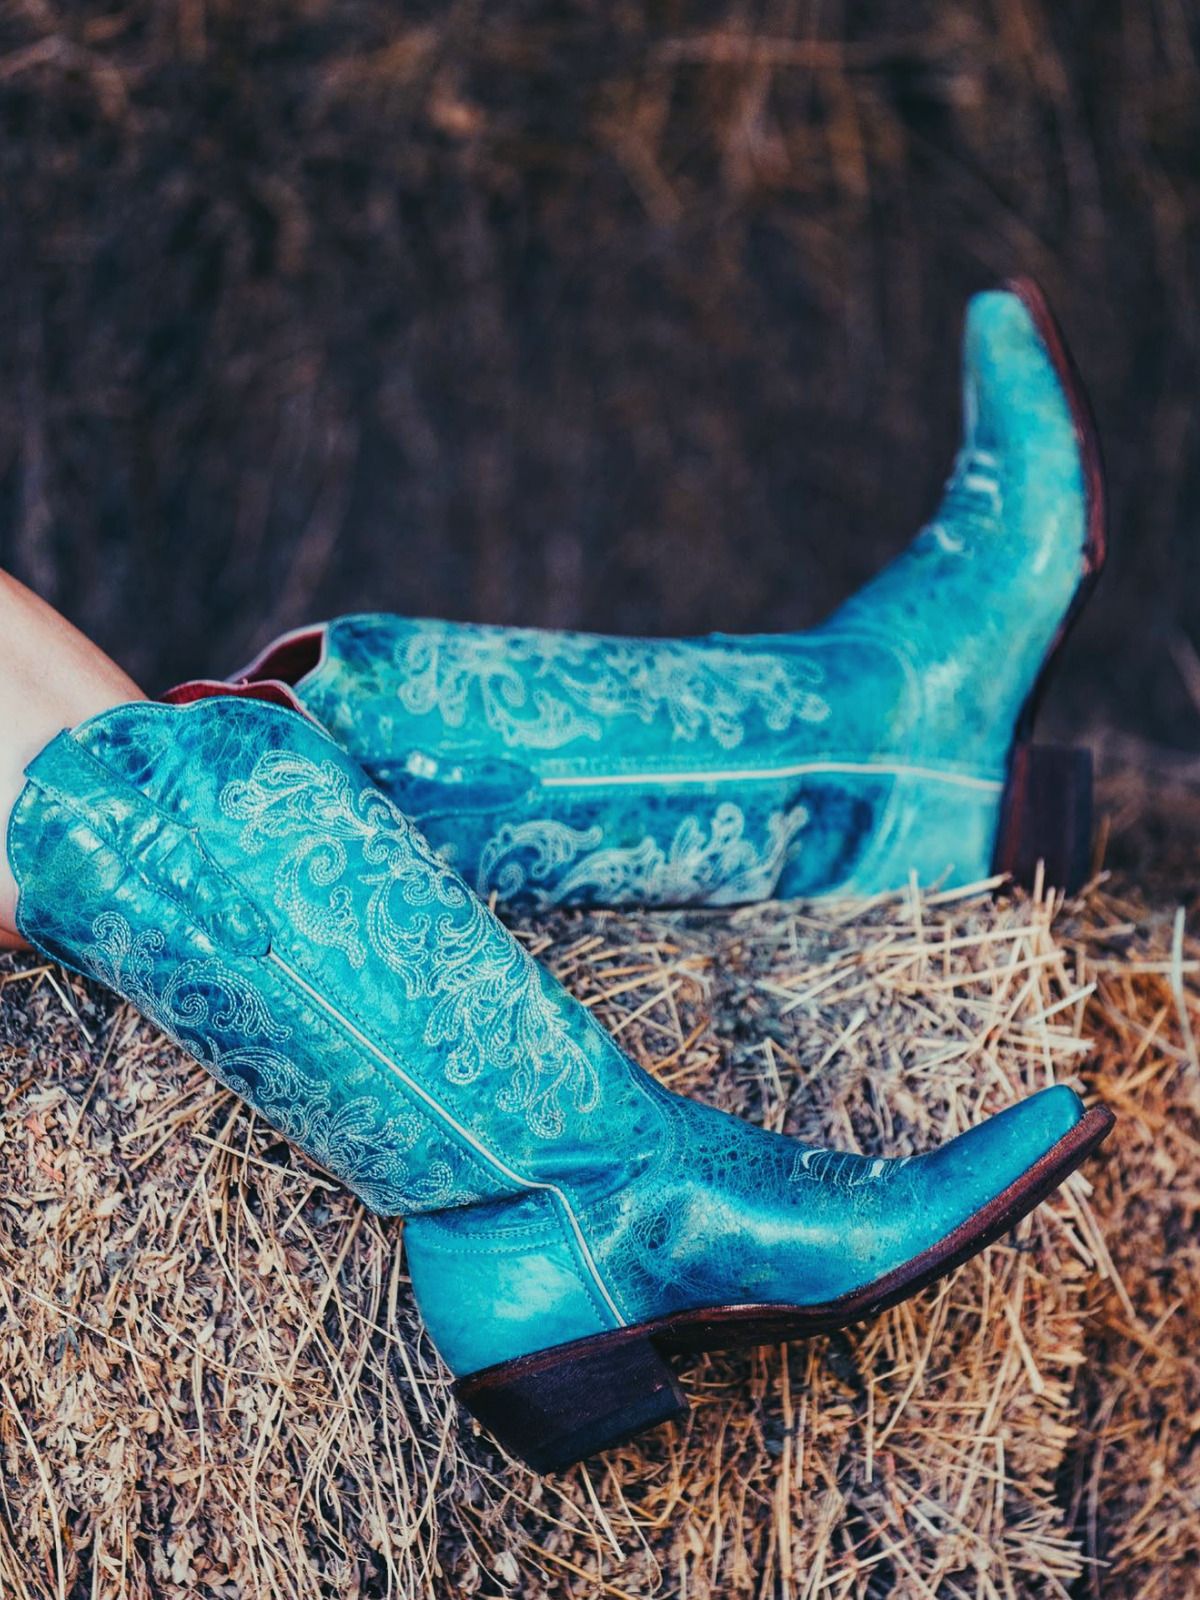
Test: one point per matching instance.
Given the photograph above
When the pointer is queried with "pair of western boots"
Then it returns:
(287, 874)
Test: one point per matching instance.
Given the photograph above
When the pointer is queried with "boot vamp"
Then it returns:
(979, 597)
(740, 1215)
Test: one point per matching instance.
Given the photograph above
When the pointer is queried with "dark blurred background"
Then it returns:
(614, 314)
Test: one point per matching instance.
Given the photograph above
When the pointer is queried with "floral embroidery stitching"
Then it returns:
(542, 690)
(842, 1169)
(550, 863)
(202, 1000)
(972, 508)
(487, 1006)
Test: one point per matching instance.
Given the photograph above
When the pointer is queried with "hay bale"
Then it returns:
(214, 1383)
(1135, 1478)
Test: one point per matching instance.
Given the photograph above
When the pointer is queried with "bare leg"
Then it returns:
(51, 678)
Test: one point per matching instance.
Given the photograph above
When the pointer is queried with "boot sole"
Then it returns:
(1046, 809)
(561, 1405)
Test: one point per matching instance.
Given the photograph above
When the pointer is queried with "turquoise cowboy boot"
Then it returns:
(242, 882)
(564, 768)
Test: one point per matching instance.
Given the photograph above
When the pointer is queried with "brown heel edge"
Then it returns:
(1046, 816)
(552, 1410)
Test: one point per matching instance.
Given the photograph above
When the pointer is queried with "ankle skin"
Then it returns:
(226, 868)
(51, 677)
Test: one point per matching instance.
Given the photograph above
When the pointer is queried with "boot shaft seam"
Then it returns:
(350, 1023)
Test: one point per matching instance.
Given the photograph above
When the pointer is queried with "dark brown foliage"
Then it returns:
(630, 316)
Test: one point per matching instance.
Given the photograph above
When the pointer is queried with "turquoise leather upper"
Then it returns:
(567, 768)
(241, 881)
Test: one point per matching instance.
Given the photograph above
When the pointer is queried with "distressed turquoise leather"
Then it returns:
(241, 881)
(566, 768)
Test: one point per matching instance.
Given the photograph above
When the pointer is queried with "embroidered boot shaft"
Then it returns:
(566, 768)
(226, 868)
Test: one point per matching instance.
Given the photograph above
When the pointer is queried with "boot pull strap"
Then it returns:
(167, 855)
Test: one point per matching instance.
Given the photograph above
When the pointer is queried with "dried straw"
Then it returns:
(213, 1381)
(1135, 1479)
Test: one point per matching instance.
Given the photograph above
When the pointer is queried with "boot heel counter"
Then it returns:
(498, 1282)
(940, 826)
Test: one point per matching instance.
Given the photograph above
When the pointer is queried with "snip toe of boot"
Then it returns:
(969, 1171)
